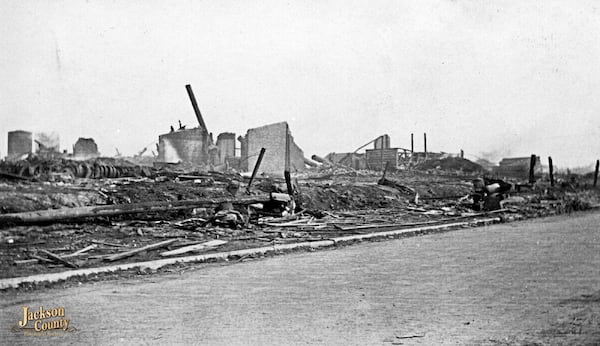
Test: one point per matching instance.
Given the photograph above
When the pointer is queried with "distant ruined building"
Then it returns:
(195, 146)
(85, 148)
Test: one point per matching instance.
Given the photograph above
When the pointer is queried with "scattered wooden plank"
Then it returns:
(54, 249)
(187, 243)
(197, 247)
(375, 225)
(85, 249)
(34, 259)
(183, 223)
(130, 253)
(107, 244)
(99, 256)
(330, 214)
(37, 259)
(411, 336)
(291, 224)
(389, 225)
(42, 259)
(59, 259)
(190, 177)
(441, 197)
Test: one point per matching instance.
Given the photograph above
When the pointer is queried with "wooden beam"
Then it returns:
(68, 214)
(130, 253)
(256, 167)
(196, 247)
(58, 259)
(85, 249)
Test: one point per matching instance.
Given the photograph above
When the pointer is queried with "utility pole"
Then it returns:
(286, 172)
(531, 169)
(425, 143)
(551, 171)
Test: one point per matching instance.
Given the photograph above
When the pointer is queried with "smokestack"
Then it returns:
(425, 142)
(412, 142)
(195, 105)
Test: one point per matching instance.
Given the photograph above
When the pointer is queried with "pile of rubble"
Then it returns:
(49, 226)
(450, 164)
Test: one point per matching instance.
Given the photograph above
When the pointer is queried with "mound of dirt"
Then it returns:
(450, 164)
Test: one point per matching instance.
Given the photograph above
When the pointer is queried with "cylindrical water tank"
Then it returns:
(19, 143)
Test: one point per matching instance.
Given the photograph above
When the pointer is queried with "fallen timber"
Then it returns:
(70, 214)
(237, 254)
(130, 253)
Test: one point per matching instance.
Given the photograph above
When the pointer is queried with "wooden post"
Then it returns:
(531, 169)
(596, 173)
(256, 166)
(551, 171)
(287, 148)
(286, 172)
(385, 170)
(425, 143)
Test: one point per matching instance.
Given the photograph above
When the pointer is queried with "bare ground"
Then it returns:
(524, 283)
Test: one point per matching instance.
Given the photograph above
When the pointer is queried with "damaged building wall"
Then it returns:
(185, 146)
(47, 145)
(243, 164)
(354, 160)
(518, 167)
(47, 141)
(19, 144)
(226, 145)
(273, 138)
(377, 158)
(382, 142)
(85, 148)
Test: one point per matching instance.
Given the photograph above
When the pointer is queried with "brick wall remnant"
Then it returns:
(184, 146)
(273, 138)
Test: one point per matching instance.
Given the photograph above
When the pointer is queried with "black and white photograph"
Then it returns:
(311, 172)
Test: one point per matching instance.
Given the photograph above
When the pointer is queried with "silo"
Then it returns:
(19, 144)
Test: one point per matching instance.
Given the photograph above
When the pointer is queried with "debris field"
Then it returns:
(162, 213)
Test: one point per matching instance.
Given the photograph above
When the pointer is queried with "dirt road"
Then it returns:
(518, 283)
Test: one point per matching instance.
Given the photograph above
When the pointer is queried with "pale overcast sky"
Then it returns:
(506, 78)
